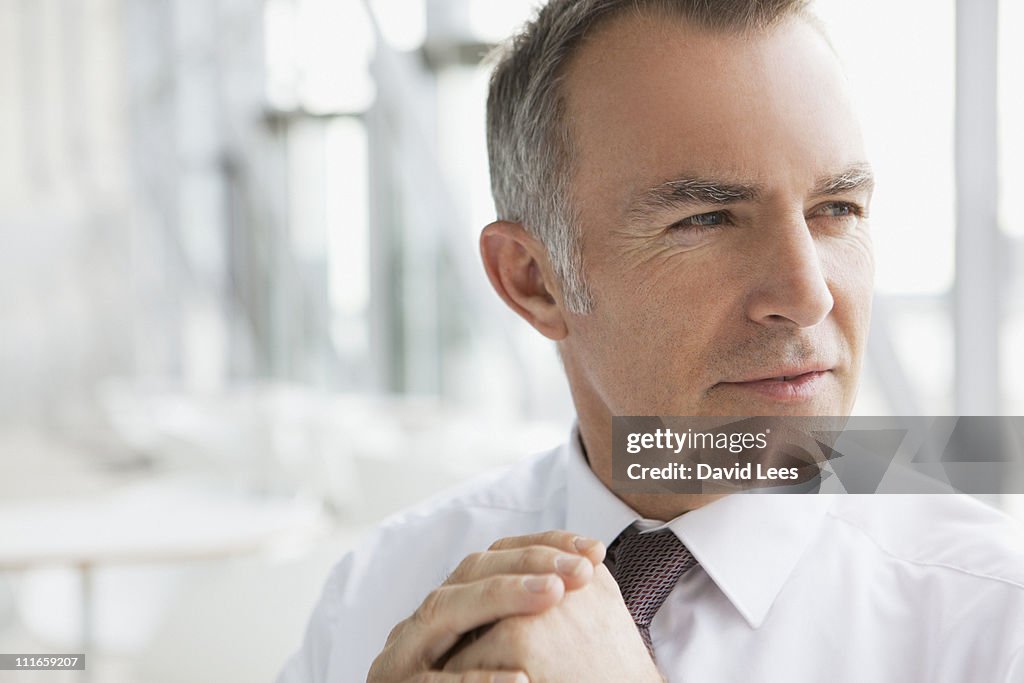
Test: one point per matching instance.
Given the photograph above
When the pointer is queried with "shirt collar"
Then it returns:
(748, 544)
(591, 509)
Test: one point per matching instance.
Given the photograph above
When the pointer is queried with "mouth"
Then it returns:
(790, 385)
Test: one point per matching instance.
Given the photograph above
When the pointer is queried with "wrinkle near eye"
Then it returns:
(653, 246)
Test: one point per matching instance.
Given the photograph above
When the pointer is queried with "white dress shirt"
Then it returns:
(790, 588)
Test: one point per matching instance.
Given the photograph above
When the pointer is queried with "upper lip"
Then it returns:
(788, 372)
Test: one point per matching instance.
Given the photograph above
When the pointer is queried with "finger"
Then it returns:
(470, 677)
(454, 609)
(576, 571)
(563, 540)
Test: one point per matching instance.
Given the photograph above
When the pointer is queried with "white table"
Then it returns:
(164, 522)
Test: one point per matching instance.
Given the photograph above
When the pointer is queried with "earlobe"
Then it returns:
(517, 266)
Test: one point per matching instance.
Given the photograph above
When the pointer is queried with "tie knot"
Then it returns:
(647, 567)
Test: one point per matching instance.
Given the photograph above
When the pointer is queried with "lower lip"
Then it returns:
(799, 388)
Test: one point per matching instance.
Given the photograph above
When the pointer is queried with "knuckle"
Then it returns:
(396, 632)
(470, 563)
(494, 590)
(534, 557)
(558, 539)
(432, 606)
(501, 544)
(377, 669)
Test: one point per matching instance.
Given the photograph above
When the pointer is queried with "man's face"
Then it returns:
(721, 185)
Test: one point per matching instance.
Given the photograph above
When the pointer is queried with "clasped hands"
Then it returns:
(531, 609)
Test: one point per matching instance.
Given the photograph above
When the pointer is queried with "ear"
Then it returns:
(519, 270)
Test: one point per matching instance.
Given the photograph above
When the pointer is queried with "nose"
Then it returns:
(792, 290)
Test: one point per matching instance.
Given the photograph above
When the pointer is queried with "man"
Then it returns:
(682, 197)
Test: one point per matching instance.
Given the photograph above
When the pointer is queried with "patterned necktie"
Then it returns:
(647, 567)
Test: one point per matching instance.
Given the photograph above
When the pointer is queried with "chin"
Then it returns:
(752, 408)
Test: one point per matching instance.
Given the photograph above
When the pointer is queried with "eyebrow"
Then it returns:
(681, 192)
(688, 191)
(857, 177)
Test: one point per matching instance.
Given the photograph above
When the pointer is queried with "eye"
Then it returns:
(839, 210)
(702, 221)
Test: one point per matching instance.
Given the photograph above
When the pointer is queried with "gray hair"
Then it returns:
(529, 140)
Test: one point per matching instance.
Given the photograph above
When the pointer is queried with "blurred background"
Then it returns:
(242, 316)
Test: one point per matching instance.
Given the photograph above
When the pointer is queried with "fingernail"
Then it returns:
(584, 544)
(569, 565)
(537, 584)
(509, 678)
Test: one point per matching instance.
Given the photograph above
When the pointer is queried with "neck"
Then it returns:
(595, 439)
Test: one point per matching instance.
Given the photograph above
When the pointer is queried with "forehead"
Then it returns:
(650, 97)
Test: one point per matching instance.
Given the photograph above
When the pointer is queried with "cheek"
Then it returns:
(851, 256)
(649, 335)
(673, 303)
(849, 267)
